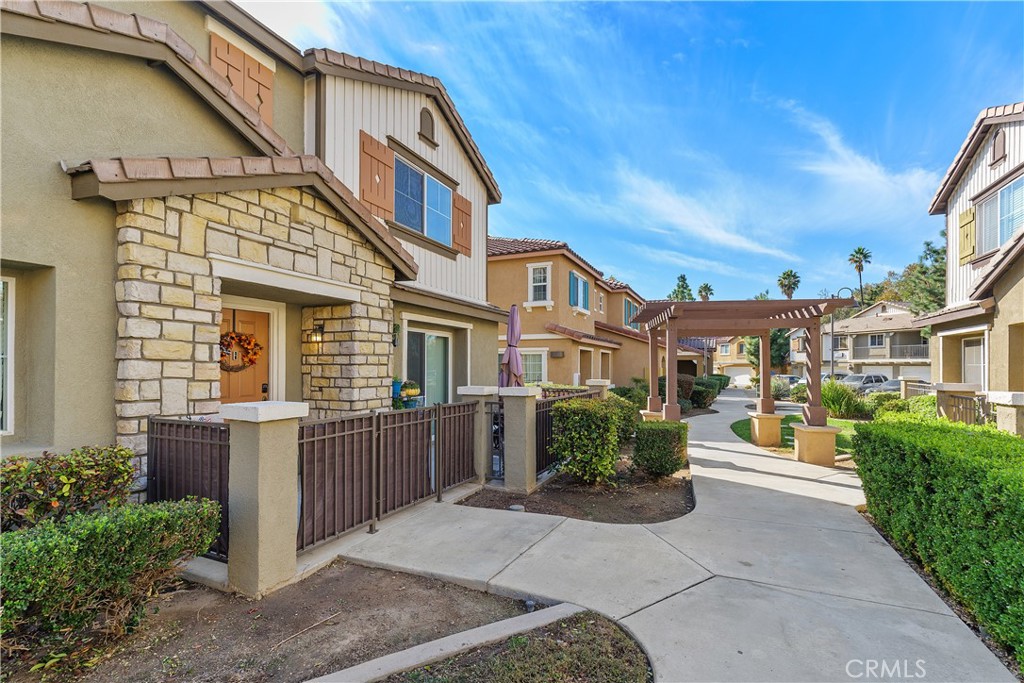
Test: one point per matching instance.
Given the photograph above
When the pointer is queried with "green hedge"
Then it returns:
(660, 447)
(879, 398)
(627, 417)
(685, 384)
(923, 406)
(798, 394)
(953, 496)
(584, 436)
(702, 397)
(723, 381)
(54, 486)
(95, 570)
(711, 384)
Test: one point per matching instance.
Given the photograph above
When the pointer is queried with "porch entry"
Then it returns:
(239, 382)
(428, 363)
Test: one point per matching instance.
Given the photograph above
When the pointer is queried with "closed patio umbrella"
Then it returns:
(511, 374)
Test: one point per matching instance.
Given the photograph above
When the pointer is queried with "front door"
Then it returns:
(427, 364)
(974, 361)
(240, 382)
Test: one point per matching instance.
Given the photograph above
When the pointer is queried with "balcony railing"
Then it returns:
(903, 351)
(909, 351)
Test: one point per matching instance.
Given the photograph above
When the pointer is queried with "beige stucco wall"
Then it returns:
(507, 284)
(61, 103)
(1006, 340)
(480, 343)
(188, 19)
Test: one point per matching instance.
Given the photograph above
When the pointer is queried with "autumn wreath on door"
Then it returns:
(250, 351)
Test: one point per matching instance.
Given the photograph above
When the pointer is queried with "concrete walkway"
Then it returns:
(773, 577)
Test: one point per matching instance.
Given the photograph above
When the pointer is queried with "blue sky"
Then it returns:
(728, 141)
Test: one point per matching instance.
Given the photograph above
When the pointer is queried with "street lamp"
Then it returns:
(832, 331)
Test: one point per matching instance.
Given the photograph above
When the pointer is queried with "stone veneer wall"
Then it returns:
(169, 303)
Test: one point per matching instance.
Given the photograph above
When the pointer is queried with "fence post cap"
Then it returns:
(475, 390)
(1006, 398)
(264, 411)
(520, 391)
(599, 382)
(957, 386)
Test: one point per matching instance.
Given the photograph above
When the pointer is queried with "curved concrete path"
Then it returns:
(773, 577)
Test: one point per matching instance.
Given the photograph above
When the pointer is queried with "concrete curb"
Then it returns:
(443, 648)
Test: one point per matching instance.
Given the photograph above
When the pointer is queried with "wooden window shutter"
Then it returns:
(462, 224)
(248, 77)
(968, 236)
(377, 176)
(573, 290)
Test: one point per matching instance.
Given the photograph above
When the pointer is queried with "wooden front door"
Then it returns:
(252, 383)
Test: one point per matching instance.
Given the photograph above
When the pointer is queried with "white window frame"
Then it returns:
(872, 344)
(582, 284)
(984, 358)
(451, 217)
(724, 349)
(532, 351)
(626, 301)
(451, 355)
(278, 334)
(981, 225)
(530, 302)
(600, 302)
(8, 426)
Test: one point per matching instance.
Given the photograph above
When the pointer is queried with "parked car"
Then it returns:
(861, 383)
(837, 376)
(890, 385)
(792, 379)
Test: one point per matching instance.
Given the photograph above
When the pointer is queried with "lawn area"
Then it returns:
(844, 439)
(586, 647)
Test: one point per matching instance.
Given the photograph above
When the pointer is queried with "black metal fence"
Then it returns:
(496, 419)
(190, 458)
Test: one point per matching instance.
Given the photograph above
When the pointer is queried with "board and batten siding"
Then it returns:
(381, 111)
(960, 279)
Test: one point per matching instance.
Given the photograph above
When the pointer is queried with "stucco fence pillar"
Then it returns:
(483, 431)
(766, 429)
(263, 479)
(520, 407)
(1009, 410)
(601, 385)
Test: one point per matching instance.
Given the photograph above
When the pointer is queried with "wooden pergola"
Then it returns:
(731, 318)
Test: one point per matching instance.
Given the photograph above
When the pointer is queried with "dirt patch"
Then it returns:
(630, 498)
(586, 647)
(1004, 655)
(199, 634)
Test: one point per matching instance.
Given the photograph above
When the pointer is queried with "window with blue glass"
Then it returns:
(422, 203)
(579, 292)
(629, 310)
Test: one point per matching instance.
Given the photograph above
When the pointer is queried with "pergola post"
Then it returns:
(653, 399)
(765, 404)
(670, 411)
(814, 414)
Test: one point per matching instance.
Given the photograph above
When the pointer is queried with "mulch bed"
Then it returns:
(586, 647)
(630, 498)
(343, 615)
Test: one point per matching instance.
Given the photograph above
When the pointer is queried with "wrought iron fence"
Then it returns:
(919, 389)
(456, 424)
(189, 458)
(496, 419)
(563, 392)
(546, 457)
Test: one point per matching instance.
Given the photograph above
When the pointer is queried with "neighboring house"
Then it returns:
(155, 199)
(575, 322)
(731, 360)
(978, 337)
(881, 339)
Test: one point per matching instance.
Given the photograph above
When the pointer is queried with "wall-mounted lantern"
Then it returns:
(396, 330)
(315, 336)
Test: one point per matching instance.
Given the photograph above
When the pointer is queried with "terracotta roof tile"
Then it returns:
(400, 76)
(578, 335)
(506, 246)
(133, 169)
(106, 20)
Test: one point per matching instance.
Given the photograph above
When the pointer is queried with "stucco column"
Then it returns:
(653, 399)
(1009, 410)
(263, 479)
(601, 385)
(670, 411)
(520, 405)
(815, 414)
(765, 404)
(483, 430)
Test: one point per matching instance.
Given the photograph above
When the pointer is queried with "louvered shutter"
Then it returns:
(586, 295)
(462, 224)
(573, 290)
(967, 236)
(376, 176)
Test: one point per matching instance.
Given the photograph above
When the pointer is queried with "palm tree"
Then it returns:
(762, 296)
(705, 291)
(859, 258)
(789, 282)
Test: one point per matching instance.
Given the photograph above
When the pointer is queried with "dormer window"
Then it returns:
(427, 127)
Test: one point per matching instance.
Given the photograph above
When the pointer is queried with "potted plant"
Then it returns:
(396, 387)
(410, 393)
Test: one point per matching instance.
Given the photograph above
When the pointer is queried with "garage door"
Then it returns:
(740, 376)
(878, 370)
(917, 372)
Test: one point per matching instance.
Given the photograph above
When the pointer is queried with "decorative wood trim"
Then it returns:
(997, 185)
(376, 176)
(462, 224)
(420, 240)
(398, 146)
(414, 296)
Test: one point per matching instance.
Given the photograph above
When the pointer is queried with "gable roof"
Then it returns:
(904, 308)
(132, 178)
(876, 323)
(975, 138)
(580, 335)
(512, 246)
(615, 285)
(101, 28)
(345, 65)
(1004, 258)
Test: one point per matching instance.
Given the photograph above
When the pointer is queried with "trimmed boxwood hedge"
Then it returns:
(584, 437)
(953, 496)
(92, 572)
(627, 417)
(660, 447)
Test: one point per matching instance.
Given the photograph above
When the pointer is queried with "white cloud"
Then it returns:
(305, 23)
(691, 262)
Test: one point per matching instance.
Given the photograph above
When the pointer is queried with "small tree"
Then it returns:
(779, 349)
(705, 291)
(762, 296)
(682, 292)
(789, 282)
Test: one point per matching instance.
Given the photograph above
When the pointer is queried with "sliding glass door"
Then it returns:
(428, 363)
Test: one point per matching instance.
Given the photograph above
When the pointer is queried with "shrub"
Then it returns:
(95, 570)
(723, 381)
(841, 400)
(780, 388)
(702, 397)
(709, 384)
(879, 398)
(798, 393)
(953, 496)
(627, 417)
(684, 389)
(635, 392)
(923, 406)
(660, 448)
(54, 486)
(585, 439)
(685, 406)
(895, 405)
